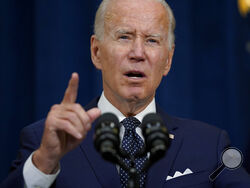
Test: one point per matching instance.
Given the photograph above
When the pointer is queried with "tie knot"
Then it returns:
(130, 123)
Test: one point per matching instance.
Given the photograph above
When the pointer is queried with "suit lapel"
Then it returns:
(106, 172)
(158, 172)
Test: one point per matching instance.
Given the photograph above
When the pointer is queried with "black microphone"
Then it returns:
(156, 136)
(106, 138)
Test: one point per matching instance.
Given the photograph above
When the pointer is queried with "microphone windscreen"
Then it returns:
(152, 118)
(107, 118)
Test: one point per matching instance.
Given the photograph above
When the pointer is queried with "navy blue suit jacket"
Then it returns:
(196, 146)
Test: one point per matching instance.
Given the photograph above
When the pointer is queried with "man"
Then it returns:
(133, 46)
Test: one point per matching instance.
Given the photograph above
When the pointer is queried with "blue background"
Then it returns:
(43, 42)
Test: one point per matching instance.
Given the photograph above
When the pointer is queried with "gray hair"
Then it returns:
(100, 16)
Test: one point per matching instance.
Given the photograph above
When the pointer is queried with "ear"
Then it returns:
(169, 61)
(95, 51)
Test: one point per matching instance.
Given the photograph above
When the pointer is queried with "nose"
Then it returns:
(137, 52)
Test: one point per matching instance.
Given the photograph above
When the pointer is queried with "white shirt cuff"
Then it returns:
(34, 178)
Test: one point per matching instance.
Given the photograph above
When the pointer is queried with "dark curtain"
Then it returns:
(43, 42)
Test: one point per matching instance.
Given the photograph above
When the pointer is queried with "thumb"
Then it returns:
(94, 113)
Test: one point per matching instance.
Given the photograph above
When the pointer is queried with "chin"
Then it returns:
(134, 94)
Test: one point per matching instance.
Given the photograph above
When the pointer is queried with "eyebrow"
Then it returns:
(154, 35)
(124, 31)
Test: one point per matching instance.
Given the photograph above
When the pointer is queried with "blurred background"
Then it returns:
(43, 42)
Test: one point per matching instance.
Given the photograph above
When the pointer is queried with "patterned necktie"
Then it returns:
(132, 143)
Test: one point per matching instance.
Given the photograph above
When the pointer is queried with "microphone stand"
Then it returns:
(133, 181)
(113, 156)
(134, 178)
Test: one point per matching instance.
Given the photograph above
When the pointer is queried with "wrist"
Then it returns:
(44, 163)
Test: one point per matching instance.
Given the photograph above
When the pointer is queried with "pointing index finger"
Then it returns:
(70, 94)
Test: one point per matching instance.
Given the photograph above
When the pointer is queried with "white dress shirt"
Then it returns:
(34, 178)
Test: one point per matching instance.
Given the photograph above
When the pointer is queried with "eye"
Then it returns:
(152, 41)
(124, 37)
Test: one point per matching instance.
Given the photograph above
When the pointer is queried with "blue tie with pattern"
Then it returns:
(132, 143)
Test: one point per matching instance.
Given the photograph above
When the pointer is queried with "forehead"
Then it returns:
(145, 15)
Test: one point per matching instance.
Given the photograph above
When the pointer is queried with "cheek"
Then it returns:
(111, 61)
(116, 59)
(158, 63)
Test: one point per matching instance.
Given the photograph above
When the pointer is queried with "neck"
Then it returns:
(128, 107)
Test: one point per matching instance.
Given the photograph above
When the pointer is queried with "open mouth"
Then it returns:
(135, 74)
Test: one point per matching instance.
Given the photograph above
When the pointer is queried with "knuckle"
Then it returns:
(77, 106)
(55, 107)
(51, 124)
(86, 119)
(72, 116)
(56, 123)
(50, 121)
(64, 125)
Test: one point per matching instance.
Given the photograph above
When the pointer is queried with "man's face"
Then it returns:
(133, 54)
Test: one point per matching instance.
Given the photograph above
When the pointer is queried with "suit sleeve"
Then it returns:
(237, 178)
(29, 142)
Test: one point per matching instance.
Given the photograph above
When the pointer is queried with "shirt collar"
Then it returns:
(105, 106)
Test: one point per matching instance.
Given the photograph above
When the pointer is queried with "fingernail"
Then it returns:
(79, 136)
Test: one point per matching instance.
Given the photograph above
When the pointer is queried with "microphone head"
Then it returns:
(153, 122)
(106, 119)
(152, 118)
(156, 135)
(106, 137)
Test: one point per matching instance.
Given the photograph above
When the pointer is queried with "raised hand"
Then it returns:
(65, 127)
